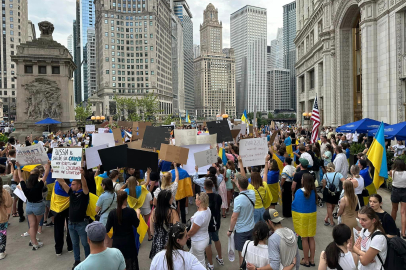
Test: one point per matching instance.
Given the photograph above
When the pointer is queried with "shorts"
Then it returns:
(214, 236)
(398, 195)
(12, 188)
(35, 208)
(47, 203)
(145, 211)
(241, 238)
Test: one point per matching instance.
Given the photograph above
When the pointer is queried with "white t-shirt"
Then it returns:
(355, 137)
(379, 242)
(399, 179)
(288, 172)
(358, 190)
(202, 219)
(346, 262)
(41, 143)
(54, 144)
(146, 207)
(257, 255)
(182, 260)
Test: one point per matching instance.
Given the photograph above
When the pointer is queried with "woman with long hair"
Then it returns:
(212, 174)
(229, 175)
(358, 183)
(371, 245)
(5, 204)
(167, 184)
(348, 203)
(162, 218)
(173, 257)
(272, 179)
(122, 220)
(388, 224)
(398, 194)
(331, 191)
(304, 213)
(339, 252)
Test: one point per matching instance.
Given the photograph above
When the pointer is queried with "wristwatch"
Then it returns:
(230, 231)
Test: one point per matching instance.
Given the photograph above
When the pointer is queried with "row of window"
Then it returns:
(13, 93)
(130, 85)
(128, 17)
(28, 69)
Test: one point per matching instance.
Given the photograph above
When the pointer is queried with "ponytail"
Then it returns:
(333, 254)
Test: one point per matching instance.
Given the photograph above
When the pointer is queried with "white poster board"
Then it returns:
(206, 157)
(66, 163)
(253, 151)
(103, 138)
(90, 128)
(185, 137)
(190, 165)
(34, 154)
(208, 139)
(103, 130)
(92, 156)
(20, 194)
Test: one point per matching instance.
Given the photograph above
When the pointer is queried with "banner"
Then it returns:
(66, 163)
(185, 137)
(206, 157)
(34, 154)
(92, 156)
(90, 128)
(253, 151)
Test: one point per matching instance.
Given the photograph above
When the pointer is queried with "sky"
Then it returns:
(63, 13)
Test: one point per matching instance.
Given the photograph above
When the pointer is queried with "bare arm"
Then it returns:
(265, 177)
(19, 171)
(343, 203)
(241, 166)
(176, 173)
(193, 230)
(148, 178)
(64, 186)
(47, 169)
(84, 183)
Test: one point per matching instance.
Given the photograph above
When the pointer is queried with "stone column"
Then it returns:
(333, 90)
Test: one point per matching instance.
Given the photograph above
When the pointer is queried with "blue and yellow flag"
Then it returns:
(180, 119)
(187, 117)
(273, 184)
(289, 149)
(279, 160)
(141, 193)
(377, 155)
(222, 155)
(368, 183)
(244, 117)
(184, 185)
(59, 199)
(98, 180)
(304, 214)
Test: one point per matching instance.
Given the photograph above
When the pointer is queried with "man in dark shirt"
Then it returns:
(297, 178)
(79, 200)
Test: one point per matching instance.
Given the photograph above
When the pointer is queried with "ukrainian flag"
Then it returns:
(377, 155)
(187, 117)
(244, 117)
(59, 199)
(279, 160)
(266, 200)
(50, 185)
(273, 185)
(289, 149)
(368, 183)
(91, 207)
(141, 193)
(184, 185)
(222, 154)
(304, 214)
(98, 179)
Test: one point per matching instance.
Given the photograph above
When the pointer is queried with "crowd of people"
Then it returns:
(296, 174)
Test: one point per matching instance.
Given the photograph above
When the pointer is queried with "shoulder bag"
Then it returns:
(243, 266)
(98, 215)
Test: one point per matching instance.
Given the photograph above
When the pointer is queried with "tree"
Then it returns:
(82, 113)
(149, 106)
(168, 120)
(270, 116)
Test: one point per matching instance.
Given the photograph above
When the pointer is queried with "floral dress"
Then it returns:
(160, 239)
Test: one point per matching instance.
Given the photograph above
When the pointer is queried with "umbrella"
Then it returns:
(391, 132)
(48, 121)
(361, 126)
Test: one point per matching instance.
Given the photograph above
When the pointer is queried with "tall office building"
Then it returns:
(31, 31)
(277, 51)
(133, 54)
(77, 78)
(91, 61)
(289, 48)
(214, 69)
(268, 57)
(278, 89)
(182, 10)
(248, 39)
(196, 51)
(70, 44)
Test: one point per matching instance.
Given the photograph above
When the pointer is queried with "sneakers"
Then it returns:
(30, 244)
(49, 224)
(220, 261)
(186, 210)
(25, 234)
(75, 264)
(35, 247)
(58, 254)
(3, 255)
(210, 267)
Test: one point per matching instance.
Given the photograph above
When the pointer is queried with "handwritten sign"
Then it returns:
(253, 151)
(90, 128)
(185, 137)
(103, 130)
(204, 138)
(118, 139)
(206, 157)
(34, 154)
(66, 163)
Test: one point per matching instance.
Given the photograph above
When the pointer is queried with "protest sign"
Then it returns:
(66, 163)
(118, 139)
(155, 136)
(139, 129)
(103, 138)
(191, 163)
(173, 153)
(206, 157)
(113, 157)
(235, 133)
(253, 151)
(102, 130)
(272, 139)
(206, 138)
(185, 137)
(137, 145)
(126, 124)
(92, 156)
(90, 128)
(222, 129)
(34, 154)
(139, 159)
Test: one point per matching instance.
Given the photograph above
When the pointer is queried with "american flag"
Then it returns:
(316, 121)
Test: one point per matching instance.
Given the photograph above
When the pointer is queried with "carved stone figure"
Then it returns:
(43, 99)
(46, 28)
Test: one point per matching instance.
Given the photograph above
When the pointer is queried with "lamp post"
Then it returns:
(306, 117)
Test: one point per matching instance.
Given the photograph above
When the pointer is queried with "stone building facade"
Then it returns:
(352, 54)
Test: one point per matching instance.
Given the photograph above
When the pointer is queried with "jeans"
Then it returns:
(35, 208)
(258, 214)
(76, 231)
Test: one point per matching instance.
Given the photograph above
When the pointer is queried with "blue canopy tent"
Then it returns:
(361, 126)
(48, 121)
(391, 132)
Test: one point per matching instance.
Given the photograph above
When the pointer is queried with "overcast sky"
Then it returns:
(62, 13)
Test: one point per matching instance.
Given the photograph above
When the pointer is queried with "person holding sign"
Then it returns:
(35, 203)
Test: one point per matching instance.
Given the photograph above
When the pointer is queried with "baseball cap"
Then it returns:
(304, 162)
(96, 231)
(275, 218)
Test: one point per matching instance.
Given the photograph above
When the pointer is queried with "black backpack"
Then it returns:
(330, 185)
(396, 254)
(215, 219)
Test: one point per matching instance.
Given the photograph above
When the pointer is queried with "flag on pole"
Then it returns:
(187, 117)
(316, 121)
(180, 119)
(244, 117)
(377, 155)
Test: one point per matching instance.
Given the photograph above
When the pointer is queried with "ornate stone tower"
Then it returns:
(44, 82)
(211, 32)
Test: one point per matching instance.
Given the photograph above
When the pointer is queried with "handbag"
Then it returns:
(188, 227)
(299, 242)
(98, 215)
(243, 265)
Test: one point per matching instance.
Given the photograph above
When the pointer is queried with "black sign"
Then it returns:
(113, 157)
(139, 159)
(155, 136)
(222, 129)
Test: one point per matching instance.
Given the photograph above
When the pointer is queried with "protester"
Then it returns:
(297, 178)
(167, 184)
(398, 195)
(388, 224)
(331, 192)
(340, 161)
(272, 180)
(146, 212)
(358, 183)
(5, 204)
(365, 174)
(255, 252)
(122, 220)
(229, 175)
(184, 190)
(212, 174)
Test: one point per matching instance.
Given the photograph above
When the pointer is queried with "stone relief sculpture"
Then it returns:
(43, 99)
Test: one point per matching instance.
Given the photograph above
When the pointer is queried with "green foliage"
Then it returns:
(356, 148)
(82, 113)
(270, 116)
(137, 109)
(3, 138)
(169, 119)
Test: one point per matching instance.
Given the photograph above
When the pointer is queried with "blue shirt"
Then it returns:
(104, 202)
(111, 258)
(331, 179)
(347, 153)
(367, 176)
(245, 221)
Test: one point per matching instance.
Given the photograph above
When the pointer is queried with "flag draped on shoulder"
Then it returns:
(377, 155)
(98, 180)
(141, 193)
(304, 214)
(279, 161)
(59, 199)
(184, 185)
(289, 149)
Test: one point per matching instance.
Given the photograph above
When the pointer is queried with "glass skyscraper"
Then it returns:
(289, 48)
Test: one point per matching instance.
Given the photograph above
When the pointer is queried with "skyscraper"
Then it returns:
(248, 39)
(289, 48)
(91, 60)
(70, 44)
(196, 51)
(214, 69)
(278, 89)
(277, 51)
(77, 78)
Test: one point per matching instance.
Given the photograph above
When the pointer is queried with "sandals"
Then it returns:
(224, 216)
(150, 239)
(302, 262)
(312, 264)
(15, 215)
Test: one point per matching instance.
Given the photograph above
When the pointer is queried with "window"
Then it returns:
(11, 32)
(311, 78)
(107, 59)
(107, 46)
(152, 48)
(302, 84)
(28, 69)
(56, 70)
(106, 21)
(107, 71)
(42, 70)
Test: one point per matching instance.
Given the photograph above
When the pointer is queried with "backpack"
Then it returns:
(330, 185)
(214, 224)
(396, 254)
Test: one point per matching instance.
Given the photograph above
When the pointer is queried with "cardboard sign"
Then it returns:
(137, 145)
(235, 133)
(253, 151)
(191, 163)
(34, 154)
(206, 157)
(155, 136)
(139, 129)
(272, 139)
(93, 157)
(103, 138)
(126, 124)
(90, 128)
(173, 153)
(206, 138)
(185, 137)
(251, 129)
(102, 130)
(114, 157)
(139, 159)
(222, 129)
(118, 139)
(66, 163)
(272, 125)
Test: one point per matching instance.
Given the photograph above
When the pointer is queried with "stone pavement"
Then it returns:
(20, 255)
